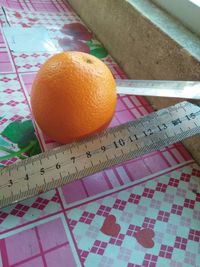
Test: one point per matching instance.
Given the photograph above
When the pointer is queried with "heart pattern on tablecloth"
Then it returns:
(144, 236)
(110, 227)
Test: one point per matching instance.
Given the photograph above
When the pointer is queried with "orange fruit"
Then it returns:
(73, 96)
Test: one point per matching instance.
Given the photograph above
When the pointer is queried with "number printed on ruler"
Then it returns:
(70, 162)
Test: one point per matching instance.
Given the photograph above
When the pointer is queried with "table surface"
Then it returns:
(145, 212)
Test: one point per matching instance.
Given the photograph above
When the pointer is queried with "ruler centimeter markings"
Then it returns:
(68, 163)
(180, 89)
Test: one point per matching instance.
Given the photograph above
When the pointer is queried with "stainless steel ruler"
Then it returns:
(68, 163)
(179, 89)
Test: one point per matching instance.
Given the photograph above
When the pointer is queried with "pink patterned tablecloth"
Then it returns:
(145, 212)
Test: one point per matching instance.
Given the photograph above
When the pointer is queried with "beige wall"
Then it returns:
(143, 50)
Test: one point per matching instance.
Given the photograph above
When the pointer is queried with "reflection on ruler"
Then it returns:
(179, 89)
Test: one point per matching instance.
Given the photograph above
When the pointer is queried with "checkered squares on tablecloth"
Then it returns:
(38, 5)
(48, 6)
(29, 62)
(15, 4)
(175, 241)
(43, 244)
(6, 64)
(13, 104)
(45, 19)
(28, 210)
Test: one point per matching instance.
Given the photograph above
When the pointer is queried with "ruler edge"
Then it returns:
(159, 86)
(88, 171)
(119, 160)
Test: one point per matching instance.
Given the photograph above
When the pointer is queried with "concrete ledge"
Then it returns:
(146, 42)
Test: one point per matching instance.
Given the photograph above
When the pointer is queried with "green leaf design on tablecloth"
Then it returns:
(35, 149)
(21, 133)
(3, 142)
(96, 49)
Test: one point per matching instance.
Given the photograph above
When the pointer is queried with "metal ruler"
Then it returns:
(68, 163)
(179, 89)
